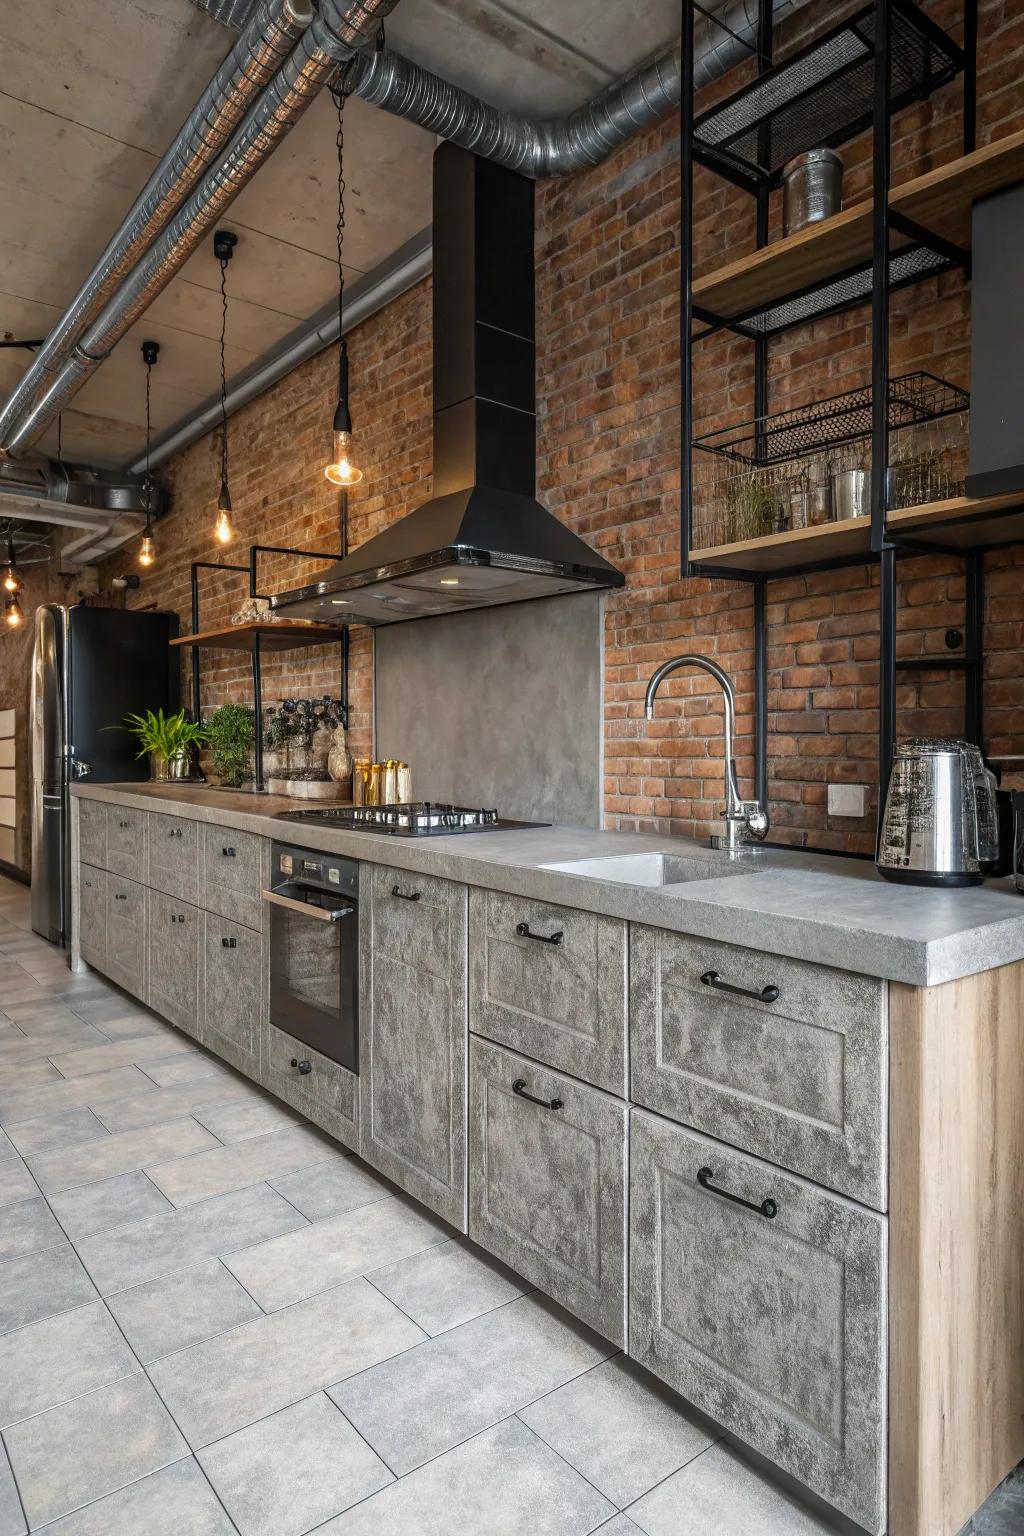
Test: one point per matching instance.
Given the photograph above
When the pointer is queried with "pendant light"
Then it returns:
(224, 243)
(12, 581)
(147, 549)
(342, 470)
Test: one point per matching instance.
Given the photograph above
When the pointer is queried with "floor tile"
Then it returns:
(12, 1521)
(158, 1245)
(41, 1284)
(177, 1501)
(152, 1105)
(38, 1015)
(294, 1470)
(32, 1074)
(328, 1189)
(622, 1525)
(27, 1227)
(129, 1026)
(60, 1358)
(181, 1309)
(16, 1182)
(70, 1455)
(459, 1383)
(617, 1428)
(56, 1040)
(107, 1203)
(120, 1053)
(448, 1285)
(153, 1145)
(287, 1269)
(48, 1132)
(6, 1148)
(26, 1101)
(240, 1120)
(720, 1495)
(186, 1069)
(503, 1483)
(227, 1168)
(239, 1377)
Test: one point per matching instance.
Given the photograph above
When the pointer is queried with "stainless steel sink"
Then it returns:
(657, 868)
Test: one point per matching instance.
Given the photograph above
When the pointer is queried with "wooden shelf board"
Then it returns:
(979, 520)
(288, 636)
(940, 200)
(799, 546)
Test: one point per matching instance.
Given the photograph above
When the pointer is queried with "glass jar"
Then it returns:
(374, 785)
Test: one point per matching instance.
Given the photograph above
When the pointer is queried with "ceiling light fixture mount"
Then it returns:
(224, 242)
(147, 549)
(342, 471)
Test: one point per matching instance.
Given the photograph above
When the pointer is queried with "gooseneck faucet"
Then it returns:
(743, 818)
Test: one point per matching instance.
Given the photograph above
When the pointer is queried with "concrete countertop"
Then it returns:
(815, 907)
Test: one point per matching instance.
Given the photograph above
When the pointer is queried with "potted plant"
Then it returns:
(167, 740)
(281, 729)
(229, 734)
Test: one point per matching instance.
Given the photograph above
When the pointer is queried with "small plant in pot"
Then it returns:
(168, 742)
(230, 733)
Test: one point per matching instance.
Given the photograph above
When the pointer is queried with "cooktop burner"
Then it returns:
(420, 818)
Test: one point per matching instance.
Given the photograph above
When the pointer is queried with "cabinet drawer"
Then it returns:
(800, 1080)
(563, 1003)
(174, 856)
(327, 1094)
(126, 934)
(174, 961)
(775, 1327)
(126, 841)
(92, 832)
(413, 916)
(233, 992)
(92, 916)
(233, 874)
(547, 1185)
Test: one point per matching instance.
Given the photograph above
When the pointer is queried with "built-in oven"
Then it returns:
(314, 950)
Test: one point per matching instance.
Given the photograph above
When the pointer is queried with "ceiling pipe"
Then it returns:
(267, 40)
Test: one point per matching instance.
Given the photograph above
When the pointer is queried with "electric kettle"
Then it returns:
(939, 825)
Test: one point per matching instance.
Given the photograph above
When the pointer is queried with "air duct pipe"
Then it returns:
(265, 43)
(342, 27)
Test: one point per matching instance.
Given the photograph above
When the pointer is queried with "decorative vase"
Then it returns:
(339, 758)
(159, 768)
(179, 764)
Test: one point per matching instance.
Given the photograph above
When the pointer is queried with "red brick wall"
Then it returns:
(608, 400)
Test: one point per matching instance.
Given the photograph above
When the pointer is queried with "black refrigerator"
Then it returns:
(90, 668)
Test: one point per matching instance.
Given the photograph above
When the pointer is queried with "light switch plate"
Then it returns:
(849, 800)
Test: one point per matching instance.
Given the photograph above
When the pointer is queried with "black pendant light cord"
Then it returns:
(223, 373)
(341, 93)
(147, 482)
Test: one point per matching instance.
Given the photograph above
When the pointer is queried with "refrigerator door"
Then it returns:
(119, 663)
(46, 727)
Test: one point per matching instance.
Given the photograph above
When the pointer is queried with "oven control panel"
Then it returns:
(316, 871)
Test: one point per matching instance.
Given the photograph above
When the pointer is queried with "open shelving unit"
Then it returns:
(855, 76)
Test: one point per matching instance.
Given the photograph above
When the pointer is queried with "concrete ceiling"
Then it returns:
(93, 92)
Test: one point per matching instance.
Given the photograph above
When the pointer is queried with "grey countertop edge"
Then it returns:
(509, 861)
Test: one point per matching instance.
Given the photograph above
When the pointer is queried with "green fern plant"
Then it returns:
(230, 733)
(161, 735)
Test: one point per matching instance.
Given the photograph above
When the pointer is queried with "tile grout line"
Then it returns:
(14, 1478)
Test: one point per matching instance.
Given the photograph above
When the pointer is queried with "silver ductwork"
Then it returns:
(339, 30)
(52, 491)
(254, 60)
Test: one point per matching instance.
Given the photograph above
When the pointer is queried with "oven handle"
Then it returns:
(307, 909)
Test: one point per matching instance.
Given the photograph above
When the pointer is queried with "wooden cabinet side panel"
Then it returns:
(956, 1221)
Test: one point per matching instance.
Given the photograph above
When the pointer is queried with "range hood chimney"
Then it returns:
(483, 539)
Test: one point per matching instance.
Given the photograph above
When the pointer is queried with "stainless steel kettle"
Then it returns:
(939, 825)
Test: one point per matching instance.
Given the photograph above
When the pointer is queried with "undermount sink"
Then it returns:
(656, 868)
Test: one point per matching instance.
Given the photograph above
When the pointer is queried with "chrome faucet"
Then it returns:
(744, 819)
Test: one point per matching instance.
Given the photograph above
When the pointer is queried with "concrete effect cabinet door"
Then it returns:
(233, 865)
(126, 934)
(233, 992)
(547, 1183)
(174, 961)
(92, 916)
(126, 841)
(775, 1327)
(322, 1089)
(92, 832)
(799, 1078)
(174, 856)
(412, 1035)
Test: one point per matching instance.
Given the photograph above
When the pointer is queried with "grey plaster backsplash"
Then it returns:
(499, 707)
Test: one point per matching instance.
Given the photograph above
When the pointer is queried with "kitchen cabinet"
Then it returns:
(322, 1089)
(550, 981)
(92, 916)
(547, 1179)
(233, 988)
(233, 874)
(92, 833)
(761, 1298)
(779, 1057)
(126, 841)
(174, 961)
(126, 934)
(412, 1035)
(174, 856)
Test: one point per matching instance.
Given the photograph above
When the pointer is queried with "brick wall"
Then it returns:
(608, 400)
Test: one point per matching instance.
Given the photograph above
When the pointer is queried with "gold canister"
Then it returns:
(360, 780)
(404, 783)
(373, 785)
(389, 783)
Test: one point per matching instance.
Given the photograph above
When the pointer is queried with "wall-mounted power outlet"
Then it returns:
(849, 800)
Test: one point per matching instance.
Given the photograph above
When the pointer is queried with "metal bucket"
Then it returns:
(851, 494)
(812, 189)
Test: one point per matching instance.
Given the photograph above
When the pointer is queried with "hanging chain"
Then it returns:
(223, 372)
(341, 93)
(147, 483)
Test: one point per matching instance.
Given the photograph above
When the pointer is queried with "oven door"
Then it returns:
(314, 975)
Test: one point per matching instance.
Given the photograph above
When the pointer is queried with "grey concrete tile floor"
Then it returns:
(214, 1322)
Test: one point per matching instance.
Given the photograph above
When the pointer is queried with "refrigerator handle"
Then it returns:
(79, 769)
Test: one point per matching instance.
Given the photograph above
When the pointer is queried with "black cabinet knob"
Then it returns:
(228, 853)
(305, 1067)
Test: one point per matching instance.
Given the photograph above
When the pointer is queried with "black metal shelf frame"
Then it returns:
(854, 77)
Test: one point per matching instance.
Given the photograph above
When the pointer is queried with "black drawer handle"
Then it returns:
(119, 896)
(230, 943)
(767, 1208)
(305, 1067)
(405, 895)
(766, 994)
(523, 930)
(519, 1087)
(228, 853)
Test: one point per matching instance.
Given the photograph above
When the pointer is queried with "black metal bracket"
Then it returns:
(762, 995)
(255, 550)
(922, 236)
(768, 1207)
(519, 1087)
(523, 930)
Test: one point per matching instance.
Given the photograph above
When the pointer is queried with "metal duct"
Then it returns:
(252, 63)
(341, 28)
(53, 491)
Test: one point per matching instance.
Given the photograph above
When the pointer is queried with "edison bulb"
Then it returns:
(147, 550)
(342, 471)
(223, 529)
(12, 582)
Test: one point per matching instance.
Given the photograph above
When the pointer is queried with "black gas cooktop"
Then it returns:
(420, 818)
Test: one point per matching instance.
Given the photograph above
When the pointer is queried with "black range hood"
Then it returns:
(483, 539)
